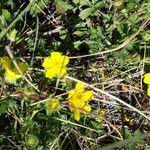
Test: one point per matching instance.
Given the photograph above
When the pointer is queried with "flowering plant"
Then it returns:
(78, 99)
(147, 81)
(55, 65)
(11, 72)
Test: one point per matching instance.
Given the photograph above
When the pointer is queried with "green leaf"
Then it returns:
(94, 1)
(79, 33)
(146, 37)
(127, 133)
(62, 7)
(6, 14)
(131, 5)
(86, 13)
(76, 1)
(132, 146)
(38, 6)
(97, 125)
(63, 34)
(12, 35)
(84, 2)
(77, 44)
(1, 26)
(5, 104)
(3, 107)
(99, 5)
(137, 135)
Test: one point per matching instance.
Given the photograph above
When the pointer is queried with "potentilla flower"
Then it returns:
(147, 81)
(78, 99)
(11, 73)
(147, 78)
(55, 65)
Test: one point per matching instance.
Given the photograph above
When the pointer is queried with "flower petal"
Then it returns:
(147, 78)
(50, 73)
(71, 106)
(10, 76)
(87, 108)
(48, 63)
(87, 96)
(80, 86)
(61, 72)
(148, 91)
(71, 94)
(56, 56)
(65, 60)
(5, 62)
(76, 115)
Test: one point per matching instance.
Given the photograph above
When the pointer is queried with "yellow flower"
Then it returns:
(147, 78)
(55, 65)
(11, 73)
(78, 98)
(148, 91)
(53, 104)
